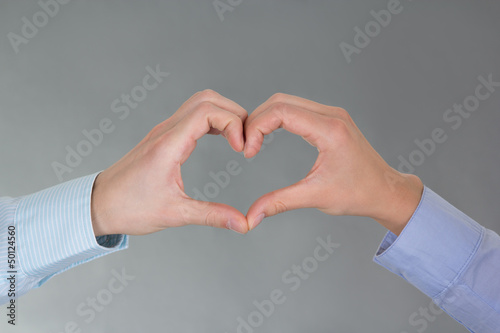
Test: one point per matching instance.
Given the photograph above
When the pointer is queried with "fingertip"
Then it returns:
(250, 149)
(235, 139)
(241, 143)
(237, 226)
(246, 151)
(256, 221)
(237, 144)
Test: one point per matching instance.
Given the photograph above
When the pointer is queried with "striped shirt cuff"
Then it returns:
(55, 230)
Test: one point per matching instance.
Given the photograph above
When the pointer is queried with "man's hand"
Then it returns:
(349, 176)
(143, 192)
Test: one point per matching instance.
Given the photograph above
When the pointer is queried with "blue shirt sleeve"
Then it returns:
(452, 259)
(46, 233)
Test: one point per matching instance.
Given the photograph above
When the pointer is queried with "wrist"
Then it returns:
(399, 201)
(97, 205)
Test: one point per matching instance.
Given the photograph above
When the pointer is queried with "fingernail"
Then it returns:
(257, 220)
(235, 226)
(248, 148)
(245, 150)
(242, 145)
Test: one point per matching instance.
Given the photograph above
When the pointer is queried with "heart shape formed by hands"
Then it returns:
(143, 192)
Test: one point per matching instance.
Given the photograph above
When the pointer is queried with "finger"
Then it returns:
(297, 101)
(292, 118)
(279, 201)
(191, 105)
(208, 116)
(213, 214)
(213, 97)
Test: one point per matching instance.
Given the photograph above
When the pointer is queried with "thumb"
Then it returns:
(213, 214)
(298, 195)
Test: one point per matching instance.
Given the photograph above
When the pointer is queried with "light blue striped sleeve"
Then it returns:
(452, 259)
(46, 233)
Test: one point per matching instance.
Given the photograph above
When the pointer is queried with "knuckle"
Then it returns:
(277, 97)
(154, 132)
(343, 114)
(338, 130)
(279, 114)
(211, 218)
(207, 94)
(279, 107)
(205, 107)
(234, 121)
(340, 110)
(279, 207)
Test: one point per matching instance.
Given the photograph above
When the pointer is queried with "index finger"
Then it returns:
(199, 122)
(215, 98)
(295, 119)
(294, 100)
(194, 102)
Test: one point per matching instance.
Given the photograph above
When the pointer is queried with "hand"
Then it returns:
(143, 192)
(348, 178)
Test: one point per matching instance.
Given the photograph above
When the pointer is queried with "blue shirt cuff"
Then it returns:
(55, 230)
(435, 246)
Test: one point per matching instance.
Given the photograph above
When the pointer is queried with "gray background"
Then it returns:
(196, 279)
